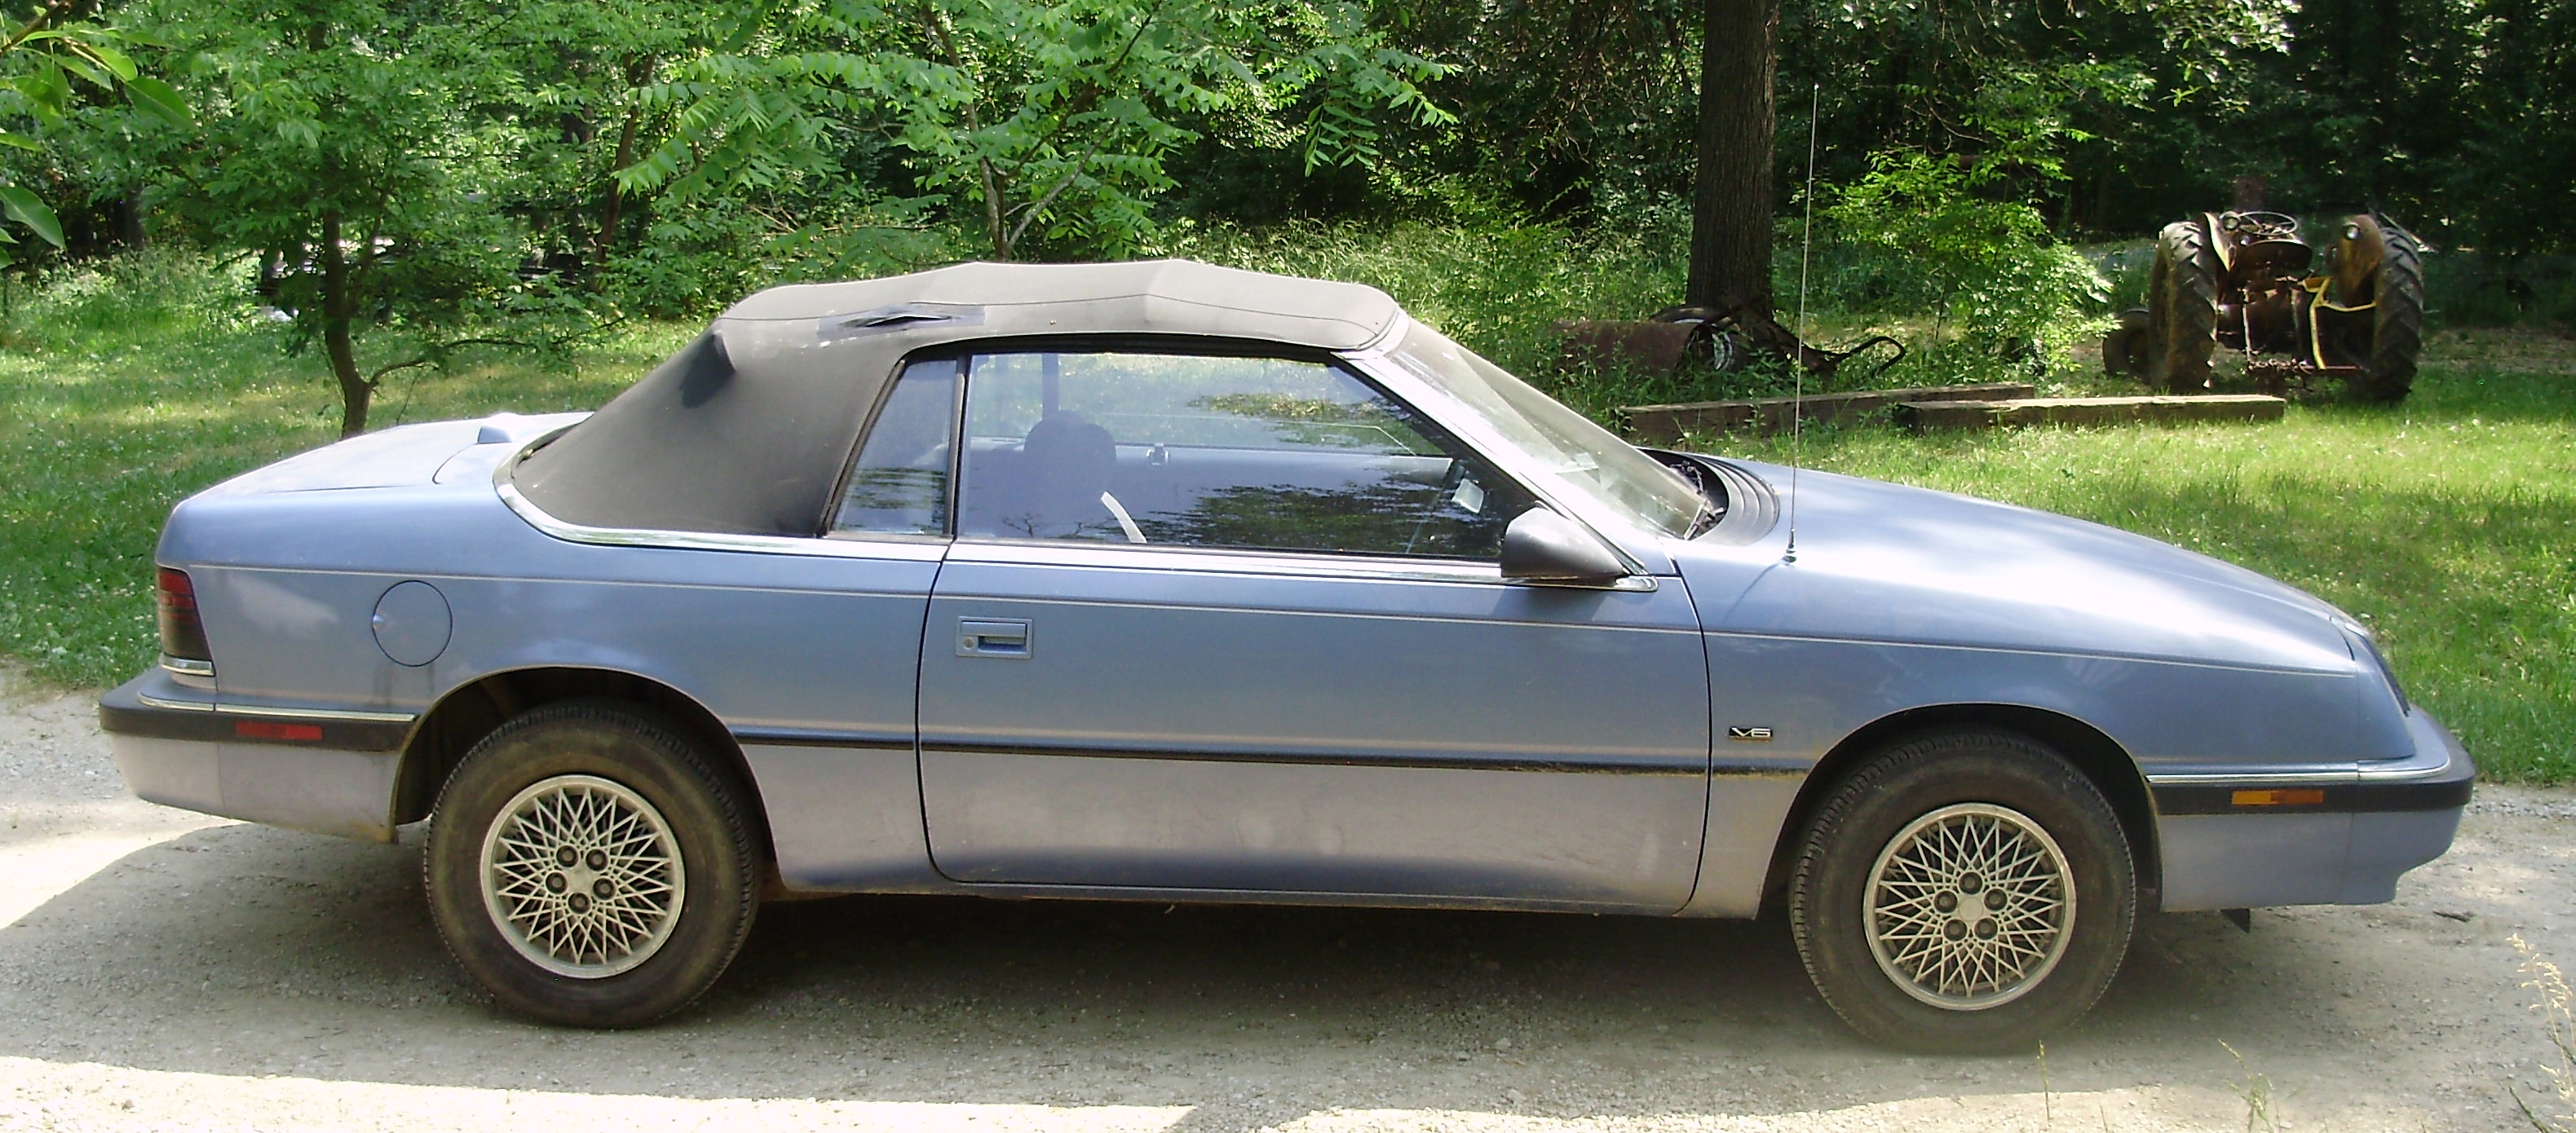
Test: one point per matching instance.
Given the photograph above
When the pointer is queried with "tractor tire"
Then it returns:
(2397, 320)
(2124, 350)
(2182, 297)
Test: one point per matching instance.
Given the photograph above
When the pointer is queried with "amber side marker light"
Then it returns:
(2307, 796)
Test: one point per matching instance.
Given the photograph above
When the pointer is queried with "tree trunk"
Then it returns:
(612, 212)
(1730, 249)
(130, 227)
(338, 308)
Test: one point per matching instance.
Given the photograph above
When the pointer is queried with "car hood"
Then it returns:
(1884, 562)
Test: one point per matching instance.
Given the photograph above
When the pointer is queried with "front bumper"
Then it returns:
(2236, 842)
(330, 771)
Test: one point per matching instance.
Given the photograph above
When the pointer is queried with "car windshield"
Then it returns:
(1565, 442)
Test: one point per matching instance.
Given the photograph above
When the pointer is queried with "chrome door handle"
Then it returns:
(992, 637)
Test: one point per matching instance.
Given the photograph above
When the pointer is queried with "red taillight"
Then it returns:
(183, 636)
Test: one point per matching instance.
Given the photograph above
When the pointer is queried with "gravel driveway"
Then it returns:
(163, 970)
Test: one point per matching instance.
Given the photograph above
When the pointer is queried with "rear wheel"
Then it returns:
(1964, 891)
(2182, 301)
(588, 864)
(2397, 319)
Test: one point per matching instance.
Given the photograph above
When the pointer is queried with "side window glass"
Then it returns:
(1248, 453)
(900, 482)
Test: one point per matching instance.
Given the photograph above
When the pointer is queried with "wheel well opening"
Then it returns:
(2101, 759)
(471, 712)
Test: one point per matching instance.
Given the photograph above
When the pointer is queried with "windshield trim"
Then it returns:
(1600, 496)
(1637, 545)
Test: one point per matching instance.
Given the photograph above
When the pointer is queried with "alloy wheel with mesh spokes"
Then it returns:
(583, 876)
(589, 863)
(1969, 906)
(1963, 890)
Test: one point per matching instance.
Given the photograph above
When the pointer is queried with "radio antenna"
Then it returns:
(1798, 361)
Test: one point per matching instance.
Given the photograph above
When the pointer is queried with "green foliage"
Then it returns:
(2471, 289)
(1986, 265)
(691, 261)
(1945, 232)
(125, 304)
(350, 143)
(37, 65)
(1045, 120)
(1499, 290)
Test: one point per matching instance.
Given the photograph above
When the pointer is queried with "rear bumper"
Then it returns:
(2344, 839)
(325, 770)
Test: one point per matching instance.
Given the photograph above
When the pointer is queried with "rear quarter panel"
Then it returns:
(784, 643)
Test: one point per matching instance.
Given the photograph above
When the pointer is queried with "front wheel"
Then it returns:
(1964, 891)
(589, 864)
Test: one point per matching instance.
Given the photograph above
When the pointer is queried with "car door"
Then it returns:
(1221, 622)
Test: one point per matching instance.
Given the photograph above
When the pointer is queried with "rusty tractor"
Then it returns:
(2350, 309)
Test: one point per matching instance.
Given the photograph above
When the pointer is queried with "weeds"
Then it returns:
(2557, 1008)
(2256, 1092)
(1502, 290)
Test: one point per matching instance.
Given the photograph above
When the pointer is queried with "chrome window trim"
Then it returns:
(349, 715)
(1231, 560)
(840, 545)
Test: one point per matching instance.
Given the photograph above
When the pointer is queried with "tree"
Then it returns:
(343, 138)
(1731, 200)
(43, 55)
(1026, 120)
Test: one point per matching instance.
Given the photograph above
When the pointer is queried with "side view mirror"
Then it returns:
(1542, 546)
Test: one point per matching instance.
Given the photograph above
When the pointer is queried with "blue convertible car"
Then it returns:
(1166, 581)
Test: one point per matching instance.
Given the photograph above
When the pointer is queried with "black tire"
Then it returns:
(2182, 301)
(1962, 777)
(560, 756)
(2397, 319)
(2124, 350)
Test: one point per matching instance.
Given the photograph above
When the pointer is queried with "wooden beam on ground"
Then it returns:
(1664, 424)
(1925, 416)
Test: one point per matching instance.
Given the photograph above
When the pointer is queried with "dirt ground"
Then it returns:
(168, 971)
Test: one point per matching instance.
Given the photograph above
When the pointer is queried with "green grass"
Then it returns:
(2448, 522)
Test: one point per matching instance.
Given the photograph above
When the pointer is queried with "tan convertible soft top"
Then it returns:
(1138, 297)
(747, 429)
